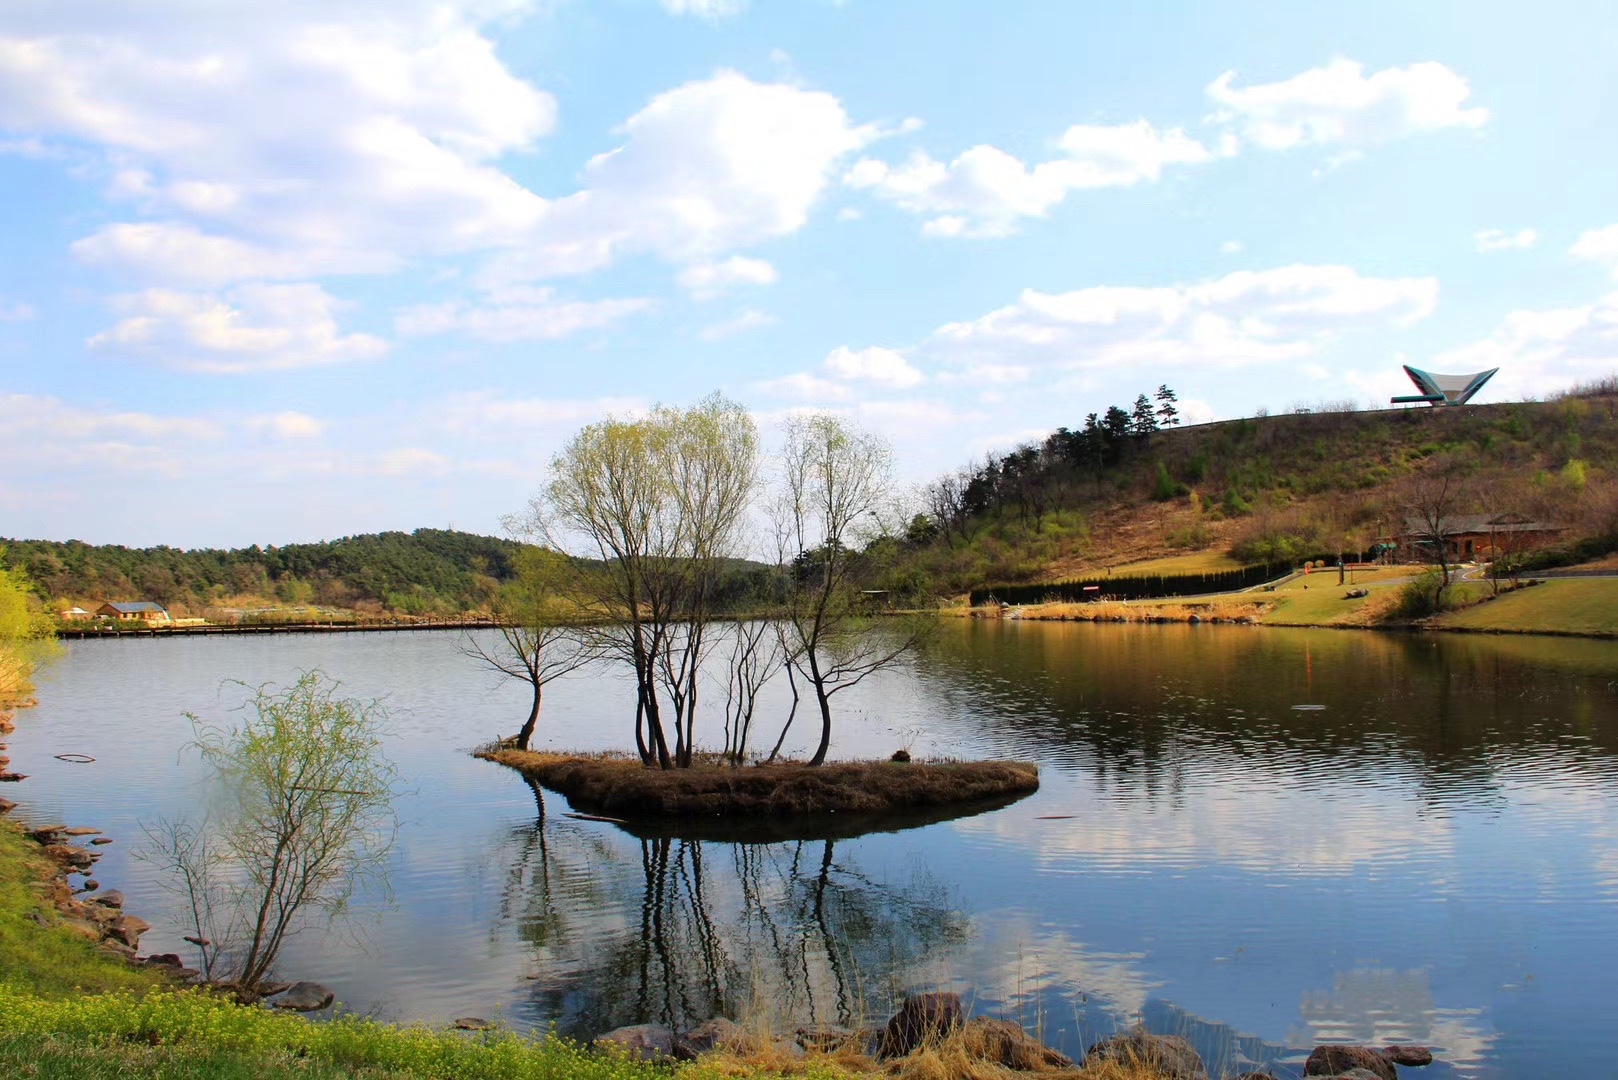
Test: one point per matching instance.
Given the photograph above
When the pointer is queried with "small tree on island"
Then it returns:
(835, 481)
(536, 644)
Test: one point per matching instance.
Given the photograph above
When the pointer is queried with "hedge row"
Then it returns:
(1132, 588)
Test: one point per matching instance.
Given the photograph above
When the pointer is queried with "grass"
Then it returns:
(48, 960)
(193, 1035)
(1558, 606)
(1197, 562)
(621, 786)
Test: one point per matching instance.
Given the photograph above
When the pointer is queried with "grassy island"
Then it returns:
(620, 786)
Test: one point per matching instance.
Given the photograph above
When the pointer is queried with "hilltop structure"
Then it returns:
(1443, 389)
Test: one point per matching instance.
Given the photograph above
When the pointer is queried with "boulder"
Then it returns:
(900, 756)
(112, 898)
(1336, 1060)
(1169, 1055)
(168, 960)
(642, 1041)
(305, 997)
(1008, 1044)
(711, 1035)
(98, 841)
(70, 856)
(12, 777)
(83, 928)
(472, 1023)
(7, 806)
(1415, 1056)
(922, 1018)
(81, 830)
(128, 929)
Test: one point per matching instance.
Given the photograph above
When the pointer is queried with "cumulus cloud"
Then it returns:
(803, 386)
(711, 166)
(985, 191)
(1599, 245)
(1541, 351)
(1500, 240)
(710, 279)
(516, 313)
(365, 132)
(882, 367)
(1339, 105)
(253, 327)
(1245, 317)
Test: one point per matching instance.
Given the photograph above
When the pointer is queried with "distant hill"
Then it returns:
(429, 571)
(1267, 488)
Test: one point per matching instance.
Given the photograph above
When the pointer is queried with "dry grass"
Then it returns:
(1130, 611)
(621, 786)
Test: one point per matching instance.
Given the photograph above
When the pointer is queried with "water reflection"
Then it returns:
(794, 932)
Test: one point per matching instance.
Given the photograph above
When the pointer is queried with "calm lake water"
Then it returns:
(1427, 852)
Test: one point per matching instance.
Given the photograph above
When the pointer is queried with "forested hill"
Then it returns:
(429, 571)
(1116, 491)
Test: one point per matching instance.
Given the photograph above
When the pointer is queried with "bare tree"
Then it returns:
(835, 480)
(535, 645)
(1431, 505)
(758, 652)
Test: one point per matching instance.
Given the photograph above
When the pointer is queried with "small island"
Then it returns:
(618, 785)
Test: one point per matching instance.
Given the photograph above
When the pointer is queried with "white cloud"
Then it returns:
(1540, 352)
(1245, 317)
(985, 191)
(711, 10)
(1339, 105)
(710, 279)
(1500, 240)
(1599, 245)
(253, 327)
(180, 254)
(1230, 247)
(884, 367)
(747, 320)
(15, 311)
(288, 426)
(708, 167)
(516, 313)
(363, 132)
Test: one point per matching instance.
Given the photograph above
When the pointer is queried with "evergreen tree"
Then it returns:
(1143, 421)
(1167, 414)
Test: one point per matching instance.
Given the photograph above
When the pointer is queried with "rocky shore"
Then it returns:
(937, 1024)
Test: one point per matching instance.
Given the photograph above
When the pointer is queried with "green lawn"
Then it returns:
(1197, 562)
(1564, 605)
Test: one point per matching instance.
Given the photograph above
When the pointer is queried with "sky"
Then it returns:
(274, 272)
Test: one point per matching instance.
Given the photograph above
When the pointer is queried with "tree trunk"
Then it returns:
(527, 731)
(825, 711)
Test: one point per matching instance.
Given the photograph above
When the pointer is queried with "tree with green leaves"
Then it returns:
(1143, 420)
(1167, 414)
(27, 634)
(305, 819)
(534, 641)
(659, 503)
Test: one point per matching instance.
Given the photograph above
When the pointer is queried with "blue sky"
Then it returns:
(276, 272)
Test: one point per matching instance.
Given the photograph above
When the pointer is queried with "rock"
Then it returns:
(112, 898)
(91, 884)
(168, 959)
(128, 929)
(1008, 1044)
(12, 777)
(1336, 1060)
(1415, 1056)
(83, 928)
(68, 855)
(98, 841)
(711, 1035)
(1356, 1074)
(1171, 1056)
(472, 1023)
(44, 834)
(642, 1041)
(201, 943)
(80, 830)
(118, 949)
(900, 755)
(305, 997)
(922, 1018)
(7, 806)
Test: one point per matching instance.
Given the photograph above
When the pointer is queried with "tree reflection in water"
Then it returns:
(784, 932)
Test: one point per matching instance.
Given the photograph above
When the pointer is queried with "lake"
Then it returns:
(1256, 838)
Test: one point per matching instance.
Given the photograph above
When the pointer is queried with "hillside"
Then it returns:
(1268, 488)
(429, 571)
